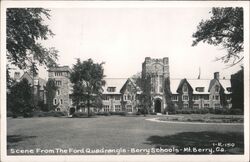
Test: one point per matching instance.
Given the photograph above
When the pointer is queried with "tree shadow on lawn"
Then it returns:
(12, 140)
(203, 139)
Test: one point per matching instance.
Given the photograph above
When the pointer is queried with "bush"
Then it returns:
(235, 112)
(153, 113)
(82, 114)
(49, 114)
(103, 113)
(27, 115)
(9, 114)
(122, 113)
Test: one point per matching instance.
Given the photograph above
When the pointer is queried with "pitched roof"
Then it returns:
(114, 82)
(226, 83)
(174, 84)
(199, 83)
(60, 69)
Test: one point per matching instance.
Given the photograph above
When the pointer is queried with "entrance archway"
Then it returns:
(72, 111)
(158, 106)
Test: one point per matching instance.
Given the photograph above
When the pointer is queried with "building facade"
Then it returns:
(61, 76)
(123, 94)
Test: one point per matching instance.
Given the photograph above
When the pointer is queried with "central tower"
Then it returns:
(158, 70)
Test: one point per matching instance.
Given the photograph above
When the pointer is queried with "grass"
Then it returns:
(208, 118)
(115, 132)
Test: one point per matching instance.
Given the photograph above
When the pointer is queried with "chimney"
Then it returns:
(17, 75)
(217, 75)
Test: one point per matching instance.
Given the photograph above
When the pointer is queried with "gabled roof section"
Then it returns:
(212, 82)
(60, 69)
(179, 89)
(195, 83)
(114, 82)
(174, 84)
(124, 86)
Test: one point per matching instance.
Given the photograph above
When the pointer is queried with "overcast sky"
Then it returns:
(123, 37)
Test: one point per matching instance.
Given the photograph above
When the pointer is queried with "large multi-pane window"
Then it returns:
(206, 105)
(196, 97)
(129, 108)
(185, 97)
(217, 97)
(196, 106)
(175, 97)
(58, 82)
(117, 108)
(185, 106)
(117, 97)
(106, 108)
(58, 73)
(206, 97)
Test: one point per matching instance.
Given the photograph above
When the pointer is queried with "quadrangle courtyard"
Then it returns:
(115, 132)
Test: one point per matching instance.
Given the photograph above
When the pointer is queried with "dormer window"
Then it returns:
(199, 89)
(111, 89)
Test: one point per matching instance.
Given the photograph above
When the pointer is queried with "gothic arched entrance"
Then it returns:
(157, 105)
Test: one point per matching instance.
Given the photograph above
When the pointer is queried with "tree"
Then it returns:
(20, 98)
(50, 94)
(25, 28)
(224, 28)
(237, 82)
(87, 78)
(168, 95)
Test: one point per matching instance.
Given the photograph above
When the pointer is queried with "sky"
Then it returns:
(123, 37)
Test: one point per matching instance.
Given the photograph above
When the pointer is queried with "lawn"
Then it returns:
(117, 132)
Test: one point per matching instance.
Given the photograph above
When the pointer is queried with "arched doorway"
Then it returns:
(158, 106)
(72, 111)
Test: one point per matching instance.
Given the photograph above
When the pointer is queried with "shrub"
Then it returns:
(103, 113)
(235, 112)
(27, 115)
(9, 114)
(122, 113)
(153, 113)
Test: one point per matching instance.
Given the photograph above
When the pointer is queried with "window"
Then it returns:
(185, 98)
(117, 108)
(129, 108)
(185, 88)
(196, 106)
(228, 97)
(111, 89)
(199, 89)
(57, 109)
(125, 97)
(217, 97)
(196, 97)
(58, 92)
(58, 73)
(185, 106)
(106, 108)
(106, 97)
(217, 106)
(161, 89)
(217, 88)
(117, 97)
(206, 97)
(58, 82)
(61, 101)
(206, 105)
(175, 98)
(55, 101)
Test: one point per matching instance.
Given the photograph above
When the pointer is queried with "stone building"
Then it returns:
(38, 84)
(158, 70)
(121, 94)
(61, 76)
